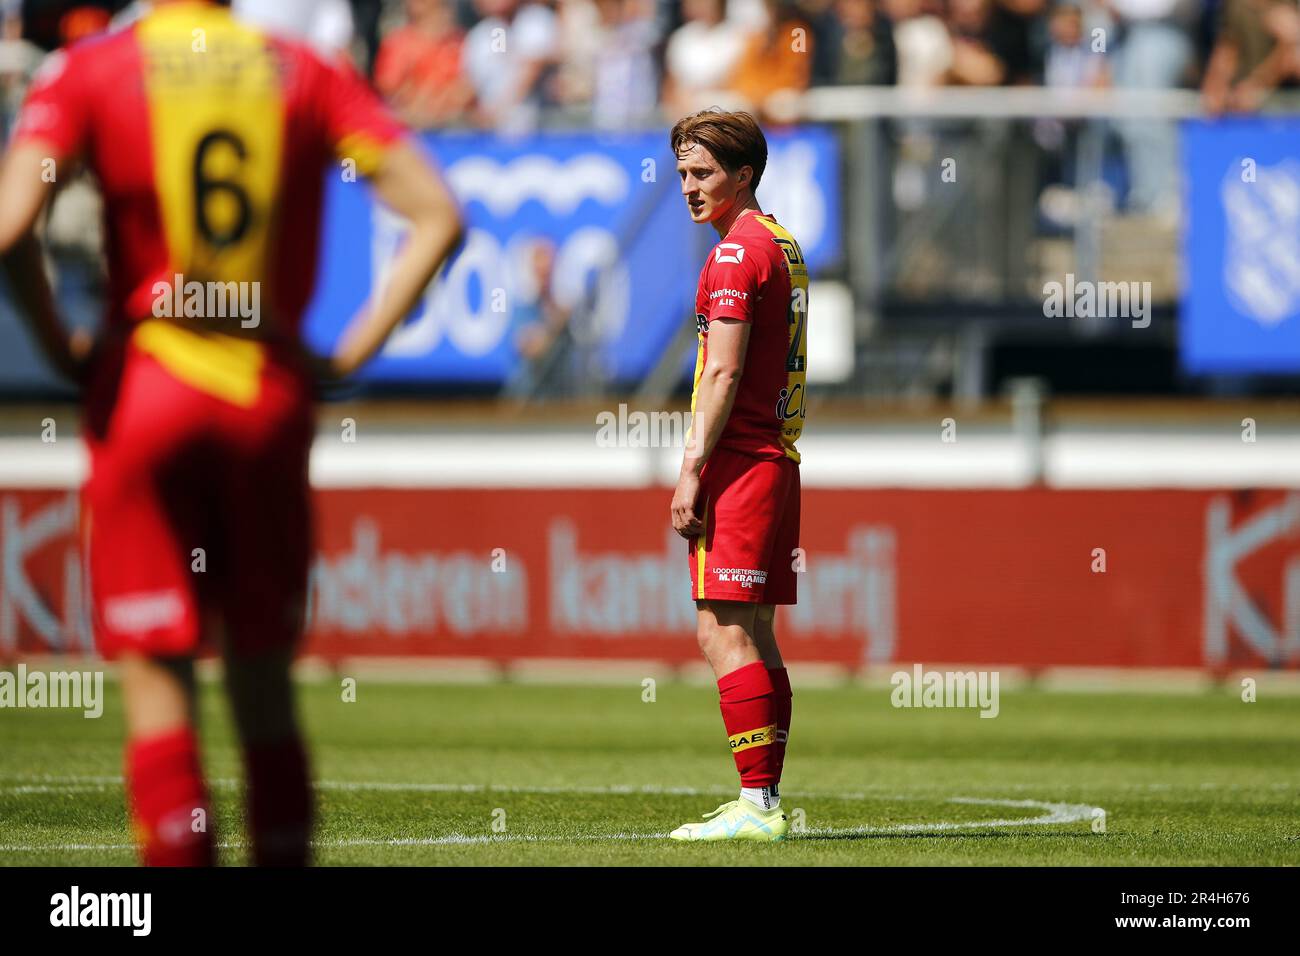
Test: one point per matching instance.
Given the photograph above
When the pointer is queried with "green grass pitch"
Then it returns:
(517, 774)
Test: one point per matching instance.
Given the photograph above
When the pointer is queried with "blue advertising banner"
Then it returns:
(619, 247)
(1240, 310)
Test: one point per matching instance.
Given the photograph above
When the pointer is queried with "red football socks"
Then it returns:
(749, 711)
(279, 802)
(168, 800)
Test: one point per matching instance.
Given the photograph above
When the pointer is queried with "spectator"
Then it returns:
(11, 23)
(608, 62)
(1071, 63)
(924, 45)
(365, 18)
(976, 60)
(827, 33)
(1256, 52)
(776, 62)
(419, 66)
(510, 56)
(539, 326)
(582, 31)
(325, 24)
(864, 49)
(1013, 26)
(626, 79)
(54, 23)
(1156, 52)
(701, 55)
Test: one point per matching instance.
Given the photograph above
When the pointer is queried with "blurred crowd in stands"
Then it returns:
(512, 65)
(502, 63)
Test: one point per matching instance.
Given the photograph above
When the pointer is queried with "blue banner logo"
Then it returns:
(1241, 253)
(598, 220)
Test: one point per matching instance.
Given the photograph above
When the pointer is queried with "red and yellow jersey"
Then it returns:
(757, 274)
(209, 140)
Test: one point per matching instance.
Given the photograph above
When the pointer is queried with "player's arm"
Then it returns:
(407, 184)
(356, 125)
(24, 191)
(714, 397)
(1282, 23)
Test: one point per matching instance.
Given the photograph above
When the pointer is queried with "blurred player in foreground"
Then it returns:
(737, 498)
(210, 141)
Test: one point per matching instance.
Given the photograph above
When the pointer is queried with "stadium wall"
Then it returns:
(1034, 577)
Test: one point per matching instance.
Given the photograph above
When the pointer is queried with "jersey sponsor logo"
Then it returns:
(722, 298)
(793, 254)
(145, 611)
(758, 737)
(789, 404)
(745, 577)
(735, 253)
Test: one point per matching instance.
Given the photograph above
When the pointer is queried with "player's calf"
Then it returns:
(168, 801)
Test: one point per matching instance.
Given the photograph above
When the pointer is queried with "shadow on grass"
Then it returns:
(973, 835)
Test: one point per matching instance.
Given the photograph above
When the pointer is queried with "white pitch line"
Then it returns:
(1054, 813)
(55, 784)
(80, 783)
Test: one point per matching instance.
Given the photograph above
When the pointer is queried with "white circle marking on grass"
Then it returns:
(1052, 813)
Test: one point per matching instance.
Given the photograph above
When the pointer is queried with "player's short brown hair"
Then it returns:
(734, 139)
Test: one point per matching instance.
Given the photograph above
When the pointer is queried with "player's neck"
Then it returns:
(724, 224)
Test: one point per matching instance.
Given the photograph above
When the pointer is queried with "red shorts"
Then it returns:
(750, 510)
(196, 506)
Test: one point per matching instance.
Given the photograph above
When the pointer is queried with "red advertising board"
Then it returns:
(1035, 578)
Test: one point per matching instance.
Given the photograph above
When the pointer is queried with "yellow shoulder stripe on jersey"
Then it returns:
(221, 365)
(366, 151)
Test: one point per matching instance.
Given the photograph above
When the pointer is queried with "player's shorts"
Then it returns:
(750, 510)
(197, 503)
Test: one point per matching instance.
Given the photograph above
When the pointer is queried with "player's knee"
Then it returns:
(159, 693)
(724, 628)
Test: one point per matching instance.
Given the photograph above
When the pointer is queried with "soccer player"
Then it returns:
(737, 498)
(210, 141)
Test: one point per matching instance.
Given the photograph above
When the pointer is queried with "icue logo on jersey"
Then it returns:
(758, 737)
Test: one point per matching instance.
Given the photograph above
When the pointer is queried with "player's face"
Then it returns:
(709, 189)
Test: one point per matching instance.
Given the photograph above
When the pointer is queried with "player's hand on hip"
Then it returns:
(685, 521)
(82, 348)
